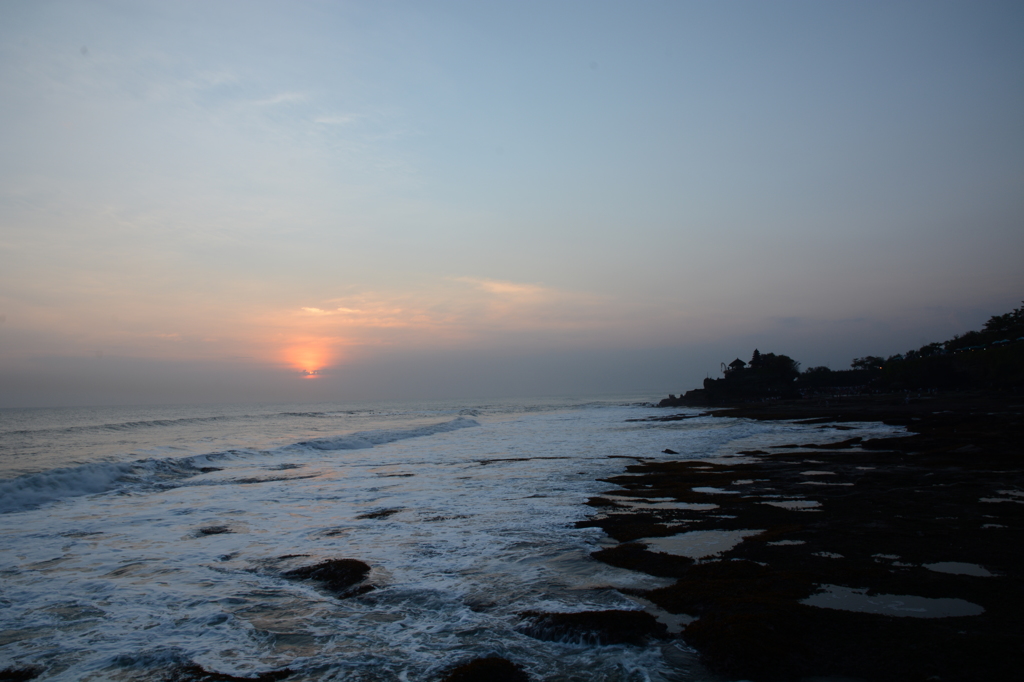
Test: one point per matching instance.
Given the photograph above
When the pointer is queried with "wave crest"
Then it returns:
(367, 439)
(32, 490)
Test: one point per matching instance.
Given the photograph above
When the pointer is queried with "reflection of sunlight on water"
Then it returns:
(903, 605)
(959, 568)
(797, 505)
(659, 503)
(698, 544)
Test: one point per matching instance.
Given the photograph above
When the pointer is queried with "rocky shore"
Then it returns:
(833, 558)
(886, 559)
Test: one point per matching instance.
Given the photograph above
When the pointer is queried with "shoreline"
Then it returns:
(882, 559)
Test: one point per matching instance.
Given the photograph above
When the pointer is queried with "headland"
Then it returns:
(880, 559)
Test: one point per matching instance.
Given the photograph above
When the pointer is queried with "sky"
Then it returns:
(306, 201)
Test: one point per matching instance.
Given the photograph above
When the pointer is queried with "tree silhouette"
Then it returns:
(1007, 322)
(868, 362)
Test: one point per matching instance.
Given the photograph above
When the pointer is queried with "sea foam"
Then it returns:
(367, 439)
(31, 490)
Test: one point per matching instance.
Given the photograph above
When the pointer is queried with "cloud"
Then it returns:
(448, 313)
(215, 78)
(374, 313)
(282, 98)
(495, 286)
(336, 120)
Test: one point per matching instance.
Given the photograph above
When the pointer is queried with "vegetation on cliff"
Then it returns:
(991, 358)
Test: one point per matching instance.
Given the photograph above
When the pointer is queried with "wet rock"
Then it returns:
(380, 514)
(20, 674)
(632, 527)
(636, 557)
(728, 585)
(870, 516)
(212, 530)
(841, 445)
(594, 627)
(489, 669)
(194, 672)
(669, 418)
(335, 575)
(334, 532)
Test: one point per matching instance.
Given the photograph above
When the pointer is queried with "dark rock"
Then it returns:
(888, 507)
(635, 526)
(489, 669)
(841, 445)
(380, 514)
(668, 418)
(194, 672)
(696, 397)
(335, 575)
(213, 530)
(667, 451)
(20, 674)
(635, 557)
(335, 532)
(601, 502)
(594, 627)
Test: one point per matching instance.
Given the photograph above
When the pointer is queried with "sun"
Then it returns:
(310, 359)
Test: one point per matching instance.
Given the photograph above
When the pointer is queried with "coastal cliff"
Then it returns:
(882, 559)
(990, 359)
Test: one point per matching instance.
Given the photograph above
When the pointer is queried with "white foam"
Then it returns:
(368, 439)
(31, 490)
(35, 489)
(127, 584)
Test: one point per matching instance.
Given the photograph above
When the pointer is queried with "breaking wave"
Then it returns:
(155, 423)
(123, 426)
(31, 490)
(367, 439)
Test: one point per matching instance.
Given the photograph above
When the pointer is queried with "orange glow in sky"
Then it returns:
(309, 358)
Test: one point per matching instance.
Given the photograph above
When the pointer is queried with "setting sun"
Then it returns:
(310, 359)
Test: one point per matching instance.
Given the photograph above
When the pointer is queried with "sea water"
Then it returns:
(133, 540)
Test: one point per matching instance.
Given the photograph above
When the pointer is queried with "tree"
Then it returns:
(1007, 322)
(868, 362)
(779, 366)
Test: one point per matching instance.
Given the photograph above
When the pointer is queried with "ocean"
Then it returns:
(137, 539)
